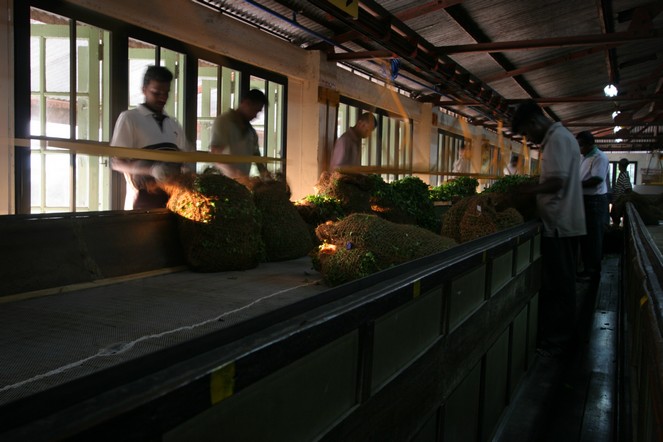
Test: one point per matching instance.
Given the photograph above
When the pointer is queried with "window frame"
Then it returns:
(446, 152)
(118, 101)
(380, 144)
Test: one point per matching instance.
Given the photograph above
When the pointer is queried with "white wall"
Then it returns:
(644, 160)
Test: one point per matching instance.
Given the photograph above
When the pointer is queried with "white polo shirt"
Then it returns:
(562, 212)
(595, 163)
(137, 128)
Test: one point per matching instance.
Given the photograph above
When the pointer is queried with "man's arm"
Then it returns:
(598, 171)
(592, 181)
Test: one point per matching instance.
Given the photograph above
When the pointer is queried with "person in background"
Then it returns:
(149, 127)
(622, 187)
(593, 172)
(463, 163)
(233, 134)
(347, 148)
(623, 184)
(559, 204)
(512, 167)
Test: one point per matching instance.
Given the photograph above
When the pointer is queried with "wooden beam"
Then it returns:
(427, 8)
(363, 55)
(555, 42)
(605, 20)
(558, 100)
(546, 63)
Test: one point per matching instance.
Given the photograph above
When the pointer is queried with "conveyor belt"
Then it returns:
(237, 354)
(55, 339)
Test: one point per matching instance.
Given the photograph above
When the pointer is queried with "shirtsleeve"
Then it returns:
(600, 166)
(557, 157)
(220, 132)
(123, 134)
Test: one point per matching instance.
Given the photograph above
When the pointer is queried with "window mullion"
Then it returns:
(72, 113)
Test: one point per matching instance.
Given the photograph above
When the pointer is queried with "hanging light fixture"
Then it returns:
(610, 90)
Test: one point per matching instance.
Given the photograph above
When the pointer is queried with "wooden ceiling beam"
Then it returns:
(558, 100)
(616, 38)
(598, 124)
(427, 8)
(362, 55)
(607, 27)
(546, 63)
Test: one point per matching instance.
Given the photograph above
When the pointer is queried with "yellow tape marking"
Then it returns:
(416, 289)
(643, 300)
(222, 383)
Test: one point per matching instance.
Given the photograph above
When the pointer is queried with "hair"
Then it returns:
(585, 138)
(525, 113)
(366, 117)
(623, 162)
(256, 96)
(157, 73)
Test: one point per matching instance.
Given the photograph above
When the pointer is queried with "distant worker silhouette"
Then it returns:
(347, 149)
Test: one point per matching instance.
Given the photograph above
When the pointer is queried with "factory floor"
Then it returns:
(574, 397)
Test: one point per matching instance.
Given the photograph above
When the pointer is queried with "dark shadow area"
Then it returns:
(571, 397)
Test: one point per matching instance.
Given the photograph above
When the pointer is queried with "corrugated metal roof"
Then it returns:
(566, 76)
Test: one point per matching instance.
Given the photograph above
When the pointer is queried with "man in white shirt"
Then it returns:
(148, 127)
(593, 173)
(560, 206)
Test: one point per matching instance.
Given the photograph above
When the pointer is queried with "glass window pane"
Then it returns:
(49, 72)
(83, 190)
(35, 64)
(258, 122)
(57, 116)
(230, 84)
(57, 187)
(92, 78)
(36, 182)
(207, 102)
(175, 62)
(37, 123)
(141, 55)
(56, 66)
(275, 129)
